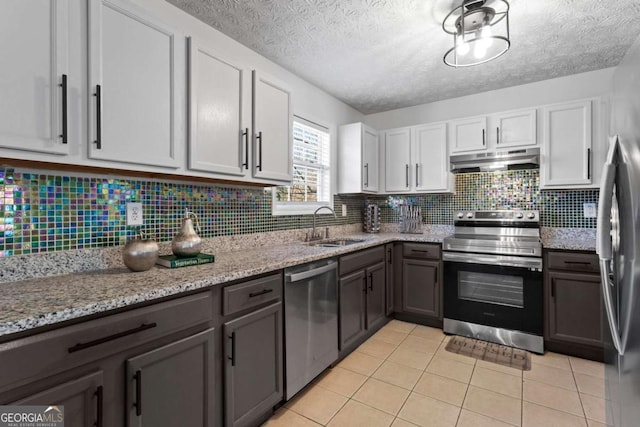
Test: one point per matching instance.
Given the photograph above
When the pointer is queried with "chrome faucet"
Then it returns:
(318, 235)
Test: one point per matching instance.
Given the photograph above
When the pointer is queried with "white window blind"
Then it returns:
(311, 184)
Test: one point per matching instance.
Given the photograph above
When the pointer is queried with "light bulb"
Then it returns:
(480, 50)
(485, 36)
(462, 46)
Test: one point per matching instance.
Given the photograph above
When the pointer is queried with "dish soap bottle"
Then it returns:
(187, 243)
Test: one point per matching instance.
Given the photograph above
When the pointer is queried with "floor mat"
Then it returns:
(490, 352)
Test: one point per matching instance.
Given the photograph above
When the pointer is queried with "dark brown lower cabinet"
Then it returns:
(421, 287)
(573, 304)
(173, 385)
(363, 295)
(352, 308)
(82, 399)
(253, 365)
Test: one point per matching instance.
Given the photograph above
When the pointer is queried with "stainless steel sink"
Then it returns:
(334, 243)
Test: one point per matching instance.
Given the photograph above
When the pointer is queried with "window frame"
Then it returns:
(308, 208)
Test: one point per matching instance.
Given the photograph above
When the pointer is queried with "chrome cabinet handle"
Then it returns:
(366, 175)
(407, 175)
(497, 136)
(63, 85)
(417, 174)
(588, 163)
(483, 138)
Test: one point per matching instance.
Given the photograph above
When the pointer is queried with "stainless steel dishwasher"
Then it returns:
(311, 322)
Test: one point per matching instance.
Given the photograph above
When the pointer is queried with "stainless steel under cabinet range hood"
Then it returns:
(524, 158)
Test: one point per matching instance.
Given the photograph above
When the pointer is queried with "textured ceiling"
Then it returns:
(378, 55)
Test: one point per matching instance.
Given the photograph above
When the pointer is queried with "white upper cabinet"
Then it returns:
(397, 148)
(416, 160)
(514, 128)
(33, 76)
(429, 155)
(358, 159)
(220, 113)
(566, 151)
(136, 86)
(469, 134)
(272, 129)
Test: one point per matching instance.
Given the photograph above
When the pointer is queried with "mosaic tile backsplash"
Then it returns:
(517, 189)
(43, 212)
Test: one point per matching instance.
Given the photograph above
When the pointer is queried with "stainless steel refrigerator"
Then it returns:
(618, 246)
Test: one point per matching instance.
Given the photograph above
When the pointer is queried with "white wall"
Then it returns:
(577, 86)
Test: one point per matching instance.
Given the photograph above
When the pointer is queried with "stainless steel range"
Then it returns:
(493, 278)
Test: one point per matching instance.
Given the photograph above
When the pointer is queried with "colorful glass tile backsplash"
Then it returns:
(518, 189)
(42, 213)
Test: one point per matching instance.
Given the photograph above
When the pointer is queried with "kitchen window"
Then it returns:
(311, 186)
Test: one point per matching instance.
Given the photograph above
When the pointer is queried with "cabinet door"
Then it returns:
(566, 155)
(574, 308)
(469, 134)
(429, 154)
(389, 277)
(516, 128)
(173, 385)
(253, 365)
(81, 398)
(136, 79)
(352, 308)
(33, 47)
(397, 149)
(421, 287)
(370, 161)
(272, 128)
(220, 109)
(376, 291)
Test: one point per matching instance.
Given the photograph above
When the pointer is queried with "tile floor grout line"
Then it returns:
(465, 394)
(573, 375)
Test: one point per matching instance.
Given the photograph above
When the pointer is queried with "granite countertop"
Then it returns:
(29, 304)
(37, 302)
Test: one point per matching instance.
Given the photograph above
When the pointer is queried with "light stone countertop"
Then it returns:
(37, 302)
(40, 301)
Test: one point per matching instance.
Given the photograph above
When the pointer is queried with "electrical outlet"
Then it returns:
(134, 213)
(589, 210)
(344, 210)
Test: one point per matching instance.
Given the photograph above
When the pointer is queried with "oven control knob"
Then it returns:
(531, 215)
(519, 215)
(469, 215)
(460, 215)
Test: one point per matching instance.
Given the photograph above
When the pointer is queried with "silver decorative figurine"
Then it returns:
(140, 253)
(187, 243)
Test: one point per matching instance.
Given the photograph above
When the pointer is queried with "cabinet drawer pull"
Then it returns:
(578, 262)
(98, 96)
(85, 345)
(63, 85)
(138, 403)
(99, 404)
(246, 148)
(262, 292)
(259, 138)
(420, 251)
(232, 337)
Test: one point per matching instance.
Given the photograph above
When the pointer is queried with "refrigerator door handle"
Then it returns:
(603, 241)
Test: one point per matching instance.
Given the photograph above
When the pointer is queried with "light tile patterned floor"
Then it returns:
(403, 377)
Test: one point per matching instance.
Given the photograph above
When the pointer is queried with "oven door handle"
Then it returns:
(505, 261)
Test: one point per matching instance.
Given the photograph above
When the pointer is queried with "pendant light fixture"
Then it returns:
(480, 30)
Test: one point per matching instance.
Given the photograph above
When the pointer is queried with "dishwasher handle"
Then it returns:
(296, 277)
